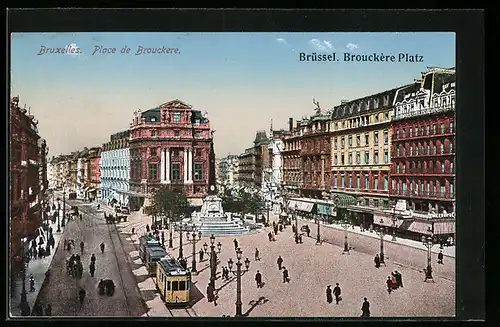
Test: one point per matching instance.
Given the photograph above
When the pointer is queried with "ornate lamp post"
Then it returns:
(394, 220)
(23, 267)
(58, 216)
(345, 223)
(296, 223)
(213, 257)
(381, 232)
(195, 237)
(182, 227)
(318, 237)
(170, 239)
(428, 242)
(238, 273)
(64, 205)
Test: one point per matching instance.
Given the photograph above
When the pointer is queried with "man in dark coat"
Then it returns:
(308, 231)
(147, 228)
(235, 244)
(285, 276)
(365, 308)
(258, 279)
(92, 268)
(32, 283)
(257, 257)
(440, 257)
(102, 247)
(377, 261)
(270, 236)
(279, 262)
(399, 278)
(329, 297)
(389, 284)
(201, 255)
(336, 292)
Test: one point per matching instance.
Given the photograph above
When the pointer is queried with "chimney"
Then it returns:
(290, 124)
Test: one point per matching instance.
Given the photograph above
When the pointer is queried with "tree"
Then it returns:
(171, 204)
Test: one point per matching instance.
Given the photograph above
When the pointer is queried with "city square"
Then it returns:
(175, 204)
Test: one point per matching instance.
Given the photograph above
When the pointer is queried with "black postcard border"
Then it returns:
(469, 28)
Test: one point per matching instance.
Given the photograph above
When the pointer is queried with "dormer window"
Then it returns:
(177, 117)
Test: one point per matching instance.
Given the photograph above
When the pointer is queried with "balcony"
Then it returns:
(424, 155)
(423, 173)
(439, 133)
(424, 112)
(446, 196)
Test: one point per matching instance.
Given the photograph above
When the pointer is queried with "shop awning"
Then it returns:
(324, 209)
(444, 227)
(291, 204)
(386, 221)
(420, 227)
(304, 206)
(195, 202)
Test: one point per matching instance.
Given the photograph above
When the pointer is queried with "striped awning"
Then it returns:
(386, 221)
(291, 204)
(420, 227)
(444, 227)
(304, 206)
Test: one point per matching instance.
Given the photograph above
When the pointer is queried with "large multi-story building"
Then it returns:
(115, 170)
(82, 173)
(315, 155)
(94, 190)
(253, 162)
(273, 176)
(360, 154)
(225, 172)
(291, 161)
(170, 147)
(70, 180)
(423, 148)
(26, 183)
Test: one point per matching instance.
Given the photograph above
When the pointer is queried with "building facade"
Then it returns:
(115, 169)
(360, 151)
(70, 181)
(254, 162)
(292, 164)
(94, 173)
(315, 155)
(423, 144)
(26, 194)
(170, 147)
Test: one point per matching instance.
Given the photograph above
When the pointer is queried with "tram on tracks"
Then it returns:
(173, 282)
(146, 241)
(154, 253)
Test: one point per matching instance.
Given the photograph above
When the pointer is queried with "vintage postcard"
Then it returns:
(225, 174)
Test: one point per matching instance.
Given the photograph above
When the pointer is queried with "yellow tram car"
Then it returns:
(173, 282)
(154, 253)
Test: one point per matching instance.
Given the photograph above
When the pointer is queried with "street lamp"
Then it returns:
(23, 267)
(296, 224)
(318, 238)
(238, 273)
(381, 232)
(213, 257)
(181, 229)
(58, 216)
(64, 205)
(394, 220)
(170, 239)
(194, 238)
(345, 224)
(428, 242)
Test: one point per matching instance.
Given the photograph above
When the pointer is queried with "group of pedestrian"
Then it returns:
(38, 250)
(336, 291)
(394, 281)
(225, 273)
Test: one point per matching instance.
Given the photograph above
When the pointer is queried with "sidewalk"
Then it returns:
(448, 251)
(37, 267)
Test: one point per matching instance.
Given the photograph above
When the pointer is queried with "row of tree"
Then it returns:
(174, 205)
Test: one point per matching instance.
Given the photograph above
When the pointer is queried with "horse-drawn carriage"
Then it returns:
(74, 266)
(111, 219)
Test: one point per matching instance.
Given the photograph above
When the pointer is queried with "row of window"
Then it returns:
(175, 171)
(358, 140)
(376, 159)
(155, 151)
(361, 182)
(425, 130)
(424, 167)
(177, 133)
(438, 147)
(363, 121)
(115, 154)
(423, 188)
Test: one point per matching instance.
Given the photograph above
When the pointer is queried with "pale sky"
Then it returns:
(243, 80)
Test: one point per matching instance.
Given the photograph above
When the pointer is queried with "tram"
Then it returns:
(146, 241)
(173, 282)
(153, 254)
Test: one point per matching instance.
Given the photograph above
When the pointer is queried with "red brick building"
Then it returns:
(94, 173)
(423, 144)
(291, 161)
(28, 180)
(170, 147)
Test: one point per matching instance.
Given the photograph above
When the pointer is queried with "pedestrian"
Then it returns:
(270, 236)
(280, 228)
(308, 231)
(81, 217)
(40, 251)
(440, 257)
(133, 230)
(329, 297)
(377, 261)
(235, 244)
(102, 247)
(82, 245)
(273, 236)
(211, 295)
(201, 254)
(279, 262)
(92, 258)
(147, 228)
(275, 228)
(365, 308)
(257, 258)
(389, 284)
(300, 238)
(336, 292)
(81, 295)
(48, 310)
(285, 275)
(32, 283)
(92, 269)
(258, 279)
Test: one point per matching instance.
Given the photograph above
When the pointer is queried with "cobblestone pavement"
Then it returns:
(61, 291)
(312, 267)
